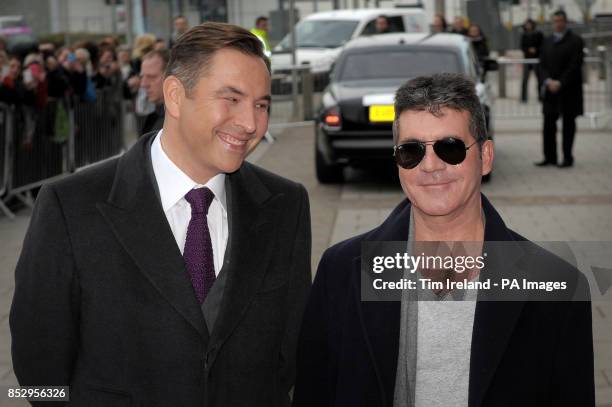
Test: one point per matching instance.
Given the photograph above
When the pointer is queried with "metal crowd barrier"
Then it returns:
(38, 155)
(507, 86)
(98, 129)
(292, 95)
(6, 125)
(38, 145)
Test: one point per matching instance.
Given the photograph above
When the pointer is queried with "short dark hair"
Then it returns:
(191, 54)
(162, 54)
(530, 21)
(560, 13)
(443, 20)
(260, 19)
(438, 91)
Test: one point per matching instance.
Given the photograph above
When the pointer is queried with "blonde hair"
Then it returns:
(143, 44)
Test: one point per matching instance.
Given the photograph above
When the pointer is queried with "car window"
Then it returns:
(396, 24)
(390, 64)
(414, 24)
(321, 34)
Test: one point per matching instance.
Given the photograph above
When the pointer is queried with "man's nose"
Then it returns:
(431, 162)
(245, 118)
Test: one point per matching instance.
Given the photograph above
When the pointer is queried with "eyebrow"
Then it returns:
(231, 89)
(412, 138)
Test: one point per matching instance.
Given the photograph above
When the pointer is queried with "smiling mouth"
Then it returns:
(233, 141)
(437, 184)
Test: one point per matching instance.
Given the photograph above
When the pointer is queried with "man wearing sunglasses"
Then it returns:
(488, 351)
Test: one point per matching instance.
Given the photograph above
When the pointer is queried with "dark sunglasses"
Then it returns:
(450, 150)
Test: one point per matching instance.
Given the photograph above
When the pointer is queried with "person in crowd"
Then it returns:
(12, 90)
(4, 64)
(152, 80)
(459, 26)
(46, 49)
(382, 25)
(444, 347)
(93, 55)
(143, 44)
(83, 57)
(261, 29)
(439, 24)
(479, 41)
(84, 60)
(109, 42)
(131, 81)
(58, 82)
(181, 25)
(108, 74)
(160, 44)
(74, 71)
(561, 61)
(35, 82)
(176, 274)
(531, 43)
(124, 61)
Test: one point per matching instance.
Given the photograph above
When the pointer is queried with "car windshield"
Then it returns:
(407, 63)
(320, 34)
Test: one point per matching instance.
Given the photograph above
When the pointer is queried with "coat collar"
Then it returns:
(380, 321)
(134, 212)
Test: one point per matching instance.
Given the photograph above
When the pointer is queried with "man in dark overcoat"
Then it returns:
(561, 63)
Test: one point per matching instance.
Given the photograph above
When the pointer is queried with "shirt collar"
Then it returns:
(559, 36)
(173, 183)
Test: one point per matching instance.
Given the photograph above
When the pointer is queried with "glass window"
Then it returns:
(396, 24)
(397, 64)
(321, 34)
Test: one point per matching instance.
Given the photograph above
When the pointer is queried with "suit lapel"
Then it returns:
(135, 215)
(494, 319)
(380, 320)
(251, 234)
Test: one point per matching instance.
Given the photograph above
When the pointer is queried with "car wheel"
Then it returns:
(327, 173)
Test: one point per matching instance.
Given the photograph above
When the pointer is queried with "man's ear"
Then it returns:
(488, 154)
(174, 96)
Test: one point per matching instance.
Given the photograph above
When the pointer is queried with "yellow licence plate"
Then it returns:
(382, 113)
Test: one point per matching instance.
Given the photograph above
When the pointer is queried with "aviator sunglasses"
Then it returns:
(450, 150)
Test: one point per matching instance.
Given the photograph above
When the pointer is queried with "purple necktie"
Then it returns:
(198, 253)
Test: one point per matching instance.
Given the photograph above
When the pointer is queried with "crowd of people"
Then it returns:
(31, 79)
(558, 72)
(472, 31)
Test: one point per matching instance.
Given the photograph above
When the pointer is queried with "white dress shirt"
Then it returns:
(173, 184)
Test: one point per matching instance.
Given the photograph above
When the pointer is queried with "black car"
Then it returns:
(354, 124)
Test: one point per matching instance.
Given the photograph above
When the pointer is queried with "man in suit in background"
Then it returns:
(356, 350)
(175, 275)
(531, 43)
(181, 25)
(561, 71)
(152, 82)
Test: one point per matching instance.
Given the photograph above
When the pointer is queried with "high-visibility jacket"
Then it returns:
(263, 37)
